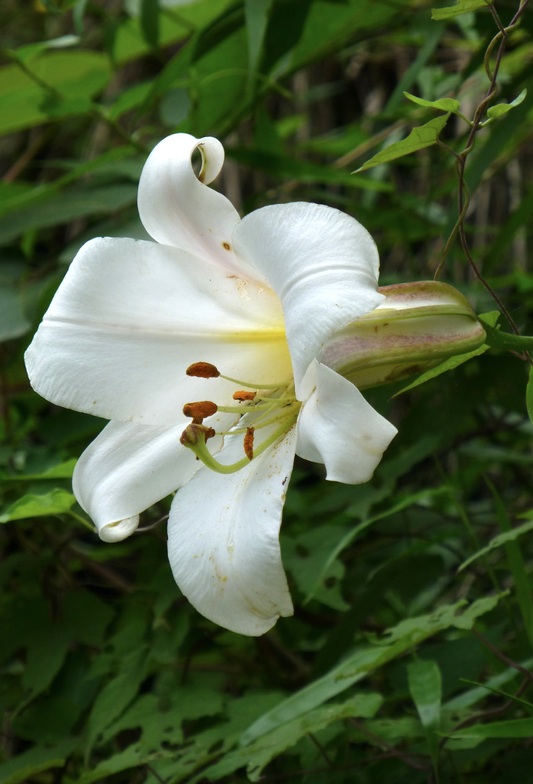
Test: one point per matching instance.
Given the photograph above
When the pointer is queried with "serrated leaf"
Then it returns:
(462, 7)
(257, 755)
(419, 138)
(53, 503)
(502, 108)
(446, 104)
(367, 659)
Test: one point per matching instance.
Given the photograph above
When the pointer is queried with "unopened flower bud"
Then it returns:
(417, 327)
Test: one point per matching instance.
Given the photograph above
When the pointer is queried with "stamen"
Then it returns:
(200, 410)
(244, 395)
(194, 437)
(255, 386)
(202, 370)
(249, 443)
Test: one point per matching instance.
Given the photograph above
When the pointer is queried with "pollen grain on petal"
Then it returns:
(226, 245)
(249, 443)
(202, 370)
(200, 410)
(241, 395)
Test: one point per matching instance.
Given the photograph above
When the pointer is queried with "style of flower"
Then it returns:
(206, 343)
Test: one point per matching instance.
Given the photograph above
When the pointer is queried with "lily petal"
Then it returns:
(177, 208)
(126, 469)
(322, 264)
(339, 428)
(131, 316)
(223, 539)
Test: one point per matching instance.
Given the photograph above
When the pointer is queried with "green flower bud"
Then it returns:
(418, 326)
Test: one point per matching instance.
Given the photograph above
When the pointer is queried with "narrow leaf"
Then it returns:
(453, 362)
(418, 139)
(529, 394)
(150, 21)
(462, 7)
(516, 564)
(515, 728)
(446, 104)
(498, 541)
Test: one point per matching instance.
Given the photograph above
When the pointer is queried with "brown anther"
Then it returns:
(202, 370)
(209, 433)
(200, 410)
(249, 443)
(244, 395)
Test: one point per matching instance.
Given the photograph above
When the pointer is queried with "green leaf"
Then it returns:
(425, 686)
(27, 765)
(13, 322)
(516, 563)
(502, 108)
(529, 394)
(367, 659)
(59, 471)
(419, 138)
(454, 362)
(53, 503)
(328, 555)
(304, 171)
(76, 76)
(446, 104)
(444, 367)
(118, 693)
(257, 755)
(498, 541)
(514, 728)
(257, 13)
(462, 7)
(150, 21)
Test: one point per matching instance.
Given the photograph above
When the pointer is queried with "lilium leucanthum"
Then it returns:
(221, 320)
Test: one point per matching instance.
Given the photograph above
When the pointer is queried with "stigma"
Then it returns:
(258, 406)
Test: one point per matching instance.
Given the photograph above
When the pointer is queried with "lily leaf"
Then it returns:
(498, 541)
(419, 138)
(502, 108)
(446, 104)
(56, 502)
(462, 7)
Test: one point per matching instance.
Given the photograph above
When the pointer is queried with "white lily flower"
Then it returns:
(256, 298)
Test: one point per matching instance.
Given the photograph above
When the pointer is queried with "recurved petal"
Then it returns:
(322, 264)
(223, 539)
(130, 317)
(178, 208)
(339, 428)
(126, 469)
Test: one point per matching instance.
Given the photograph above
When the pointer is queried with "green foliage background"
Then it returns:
(398, 666)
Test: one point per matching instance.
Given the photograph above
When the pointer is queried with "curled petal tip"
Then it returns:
(121, 529)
